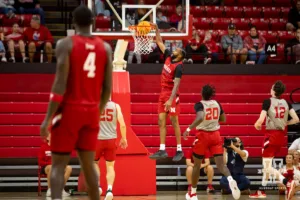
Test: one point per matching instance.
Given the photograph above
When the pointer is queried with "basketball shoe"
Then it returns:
(160, 154)
(236, 193)
(210, 189)
(190, 196)
(109, 195)
(178, 156)
(258, 195)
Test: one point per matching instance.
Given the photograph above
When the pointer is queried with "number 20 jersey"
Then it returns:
(277, 114)
(212, 111)
(86, 74)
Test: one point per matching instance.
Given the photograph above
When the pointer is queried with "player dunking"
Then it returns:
(208, 114)
(106, 146)
(81, 89)
(168, 103)
(277, 111)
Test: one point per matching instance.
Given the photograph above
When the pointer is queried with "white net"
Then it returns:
(142, 43)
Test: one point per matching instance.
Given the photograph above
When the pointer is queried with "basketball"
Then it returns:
(143, 28)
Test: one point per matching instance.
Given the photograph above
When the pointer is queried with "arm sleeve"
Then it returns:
(178, 71)
(221, 111)
(198, 107)
(266, 105)
(167, 53)
(290, 105)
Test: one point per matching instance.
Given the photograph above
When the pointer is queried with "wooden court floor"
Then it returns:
(160, 196)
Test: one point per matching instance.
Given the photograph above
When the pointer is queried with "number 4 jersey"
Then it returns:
(212, 111)
(86, 74)
(277, 113)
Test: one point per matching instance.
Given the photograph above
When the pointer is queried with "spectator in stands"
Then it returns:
(2, 52)
(255, 44)
(131, 54)
(100, 8)
(177, 16)
(295, 146)
(205, 170)
(296, 159)
(294, 18)
(160, 17)
(15, 40)
(212, 49)
(232, 44)
(44, 161)
(31, 7)
(173, 44)
(143, 11)
(38, 38)
(6, 7)
(292, 48)
(236, 157)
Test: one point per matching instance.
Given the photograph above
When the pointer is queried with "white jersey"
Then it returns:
(277, 113)
(108, 122)
(212, 111)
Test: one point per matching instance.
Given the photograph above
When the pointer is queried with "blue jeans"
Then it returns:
(38, 11)
(6, 10)
(242, 181)
(214, 57)
(261, 59)
(99, 5)
(2, 48)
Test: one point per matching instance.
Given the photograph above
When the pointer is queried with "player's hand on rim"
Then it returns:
(44, 129)
(123, 143)
(168, 105)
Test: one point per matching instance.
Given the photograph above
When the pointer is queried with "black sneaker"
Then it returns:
(160, 154)
(179, 155)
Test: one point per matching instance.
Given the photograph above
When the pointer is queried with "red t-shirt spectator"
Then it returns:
(194, 42)
(16, 37)
(175, 18)
(211, 46)
(189, 155)
(42, 34)
(44, 158)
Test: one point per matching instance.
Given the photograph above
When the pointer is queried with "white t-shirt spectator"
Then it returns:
(295, 145)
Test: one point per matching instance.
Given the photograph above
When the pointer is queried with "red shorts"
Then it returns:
(107, 149)
(274, 140)
(211, 141)
(163, 98)
(75, 127)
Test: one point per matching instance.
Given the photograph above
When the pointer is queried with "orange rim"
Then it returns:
(134, 27)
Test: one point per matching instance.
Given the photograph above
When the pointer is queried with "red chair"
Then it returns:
(261, 24)
(201, 33)
(170, 10)
(264, 2)
(271, 12)
(245, 2)
(278, 24)
(215, 36)
(214, 11)
(270, 36)
(6, 21)
(202, 23)
(26, 19)
(241, 23)
(40, 176)
(285, 12)
(284, 36)
(220, 23)
(233, 11)
(102, 22)
(252, 12)
(230, 2)
(243, 34)
(282, 2)
(198, 11)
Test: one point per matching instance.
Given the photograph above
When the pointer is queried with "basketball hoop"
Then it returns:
(143, 38)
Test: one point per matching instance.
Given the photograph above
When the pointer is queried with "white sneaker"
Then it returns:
(207, 61)
(187, 196)
(109, 196)
(65, 194)
(48, 194)
(3, 59)
(236, 193)
(100, 191)
(194, 197)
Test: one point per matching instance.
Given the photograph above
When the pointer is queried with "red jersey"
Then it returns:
(189, 155)
(170, 71)
(41, 34)
(44, 157)
(86, 74)
(288, 173)
(16, 37)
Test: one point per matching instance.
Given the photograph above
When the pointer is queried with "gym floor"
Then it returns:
(160, 196)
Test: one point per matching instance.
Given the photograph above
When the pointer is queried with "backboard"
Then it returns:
(114, 16)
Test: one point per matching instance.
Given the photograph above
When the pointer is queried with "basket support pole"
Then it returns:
(119, 64)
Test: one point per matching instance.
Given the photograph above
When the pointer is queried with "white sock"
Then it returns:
(162, 147)
(179, 148)
(109, 187)
(194, 190)
(229, 178)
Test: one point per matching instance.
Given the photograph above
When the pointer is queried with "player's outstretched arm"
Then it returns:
(62, 52)
(107, 82)
(159, 40)
(260, 120)
(123, 142)
(196, 122)
(295, 118)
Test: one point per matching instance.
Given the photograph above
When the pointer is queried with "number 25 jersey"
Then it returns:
(212, 111)
(87, 69)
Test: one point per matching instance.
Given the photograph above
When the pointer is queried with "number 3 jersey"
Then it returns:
(86, 74)
(212, 111)
(108, 122)
(277, 113)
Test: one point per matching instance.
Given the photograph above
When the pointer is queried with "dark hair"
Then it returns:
(183, 54)
(253, 27)
(83, 16)
(178, 5)
(278, 88)
(208, 91)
